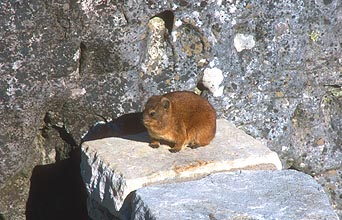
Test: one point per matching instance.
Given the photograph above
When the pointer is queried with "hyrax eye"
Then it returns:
(152, 114)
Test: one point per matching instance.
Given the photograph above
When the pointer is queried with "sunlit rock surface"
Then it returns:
(112, 168)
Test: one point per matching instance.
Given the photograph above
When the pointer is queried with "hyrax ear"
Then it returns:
(165, 103)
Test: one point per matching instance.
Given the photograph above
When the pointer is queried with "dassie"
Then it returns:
(181, 118)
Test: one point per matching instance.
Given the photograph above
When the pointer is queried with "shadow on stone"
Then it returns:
(126, 209)
(57, 191)
(128, 126)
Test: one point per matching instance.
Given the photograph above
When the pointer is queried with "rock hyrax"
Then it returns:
(180, 118)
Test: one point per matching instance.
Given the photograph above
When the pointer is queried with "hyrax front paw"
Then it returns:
(155, 144)
(173, 150)
(177, 148)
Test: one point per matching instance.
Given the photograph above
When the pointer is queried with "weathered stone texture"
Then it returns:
(243, 195)
(112, 168)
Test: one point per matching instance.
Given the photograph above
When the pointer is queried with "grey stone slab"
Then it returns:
(252, 195)
(112, 168)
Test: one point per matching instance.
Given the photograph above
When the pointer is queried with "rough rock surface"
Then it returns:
(112, 168)
(244, 195)
(65, 63)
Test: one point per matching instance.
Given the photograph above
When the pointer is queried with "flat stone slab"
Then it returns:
(257, 195)
(112, 168)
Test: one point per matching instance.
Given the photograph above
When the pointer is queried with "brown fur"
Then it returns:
(182, 118)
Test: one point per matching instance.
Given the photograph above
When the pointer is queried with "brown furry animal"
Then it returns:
(182, 118)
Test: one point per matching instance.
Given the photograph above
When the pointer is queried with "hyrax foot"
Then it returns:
(173, 150)
(177, 148)
(155, 144)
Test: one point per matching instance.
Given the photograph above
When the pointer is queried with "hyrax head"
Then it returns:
(157, 113)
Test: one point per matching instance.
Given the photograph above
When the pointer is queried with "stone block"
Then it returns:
(257, 195)
(112, 168)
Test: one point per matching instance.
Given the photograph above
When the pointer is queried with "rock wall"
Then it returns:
(274, 69)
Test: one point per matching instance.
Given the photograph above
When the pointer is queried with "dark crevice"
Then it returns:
(56, 189)
(62, 131)
(203, 90)
(63, 151)
(82, 58)
(333, 86)
(168, 17)
(65, 135)
(124, 14)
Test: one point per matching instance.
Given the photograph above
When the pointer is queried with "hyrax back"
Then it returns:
(182, 118)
